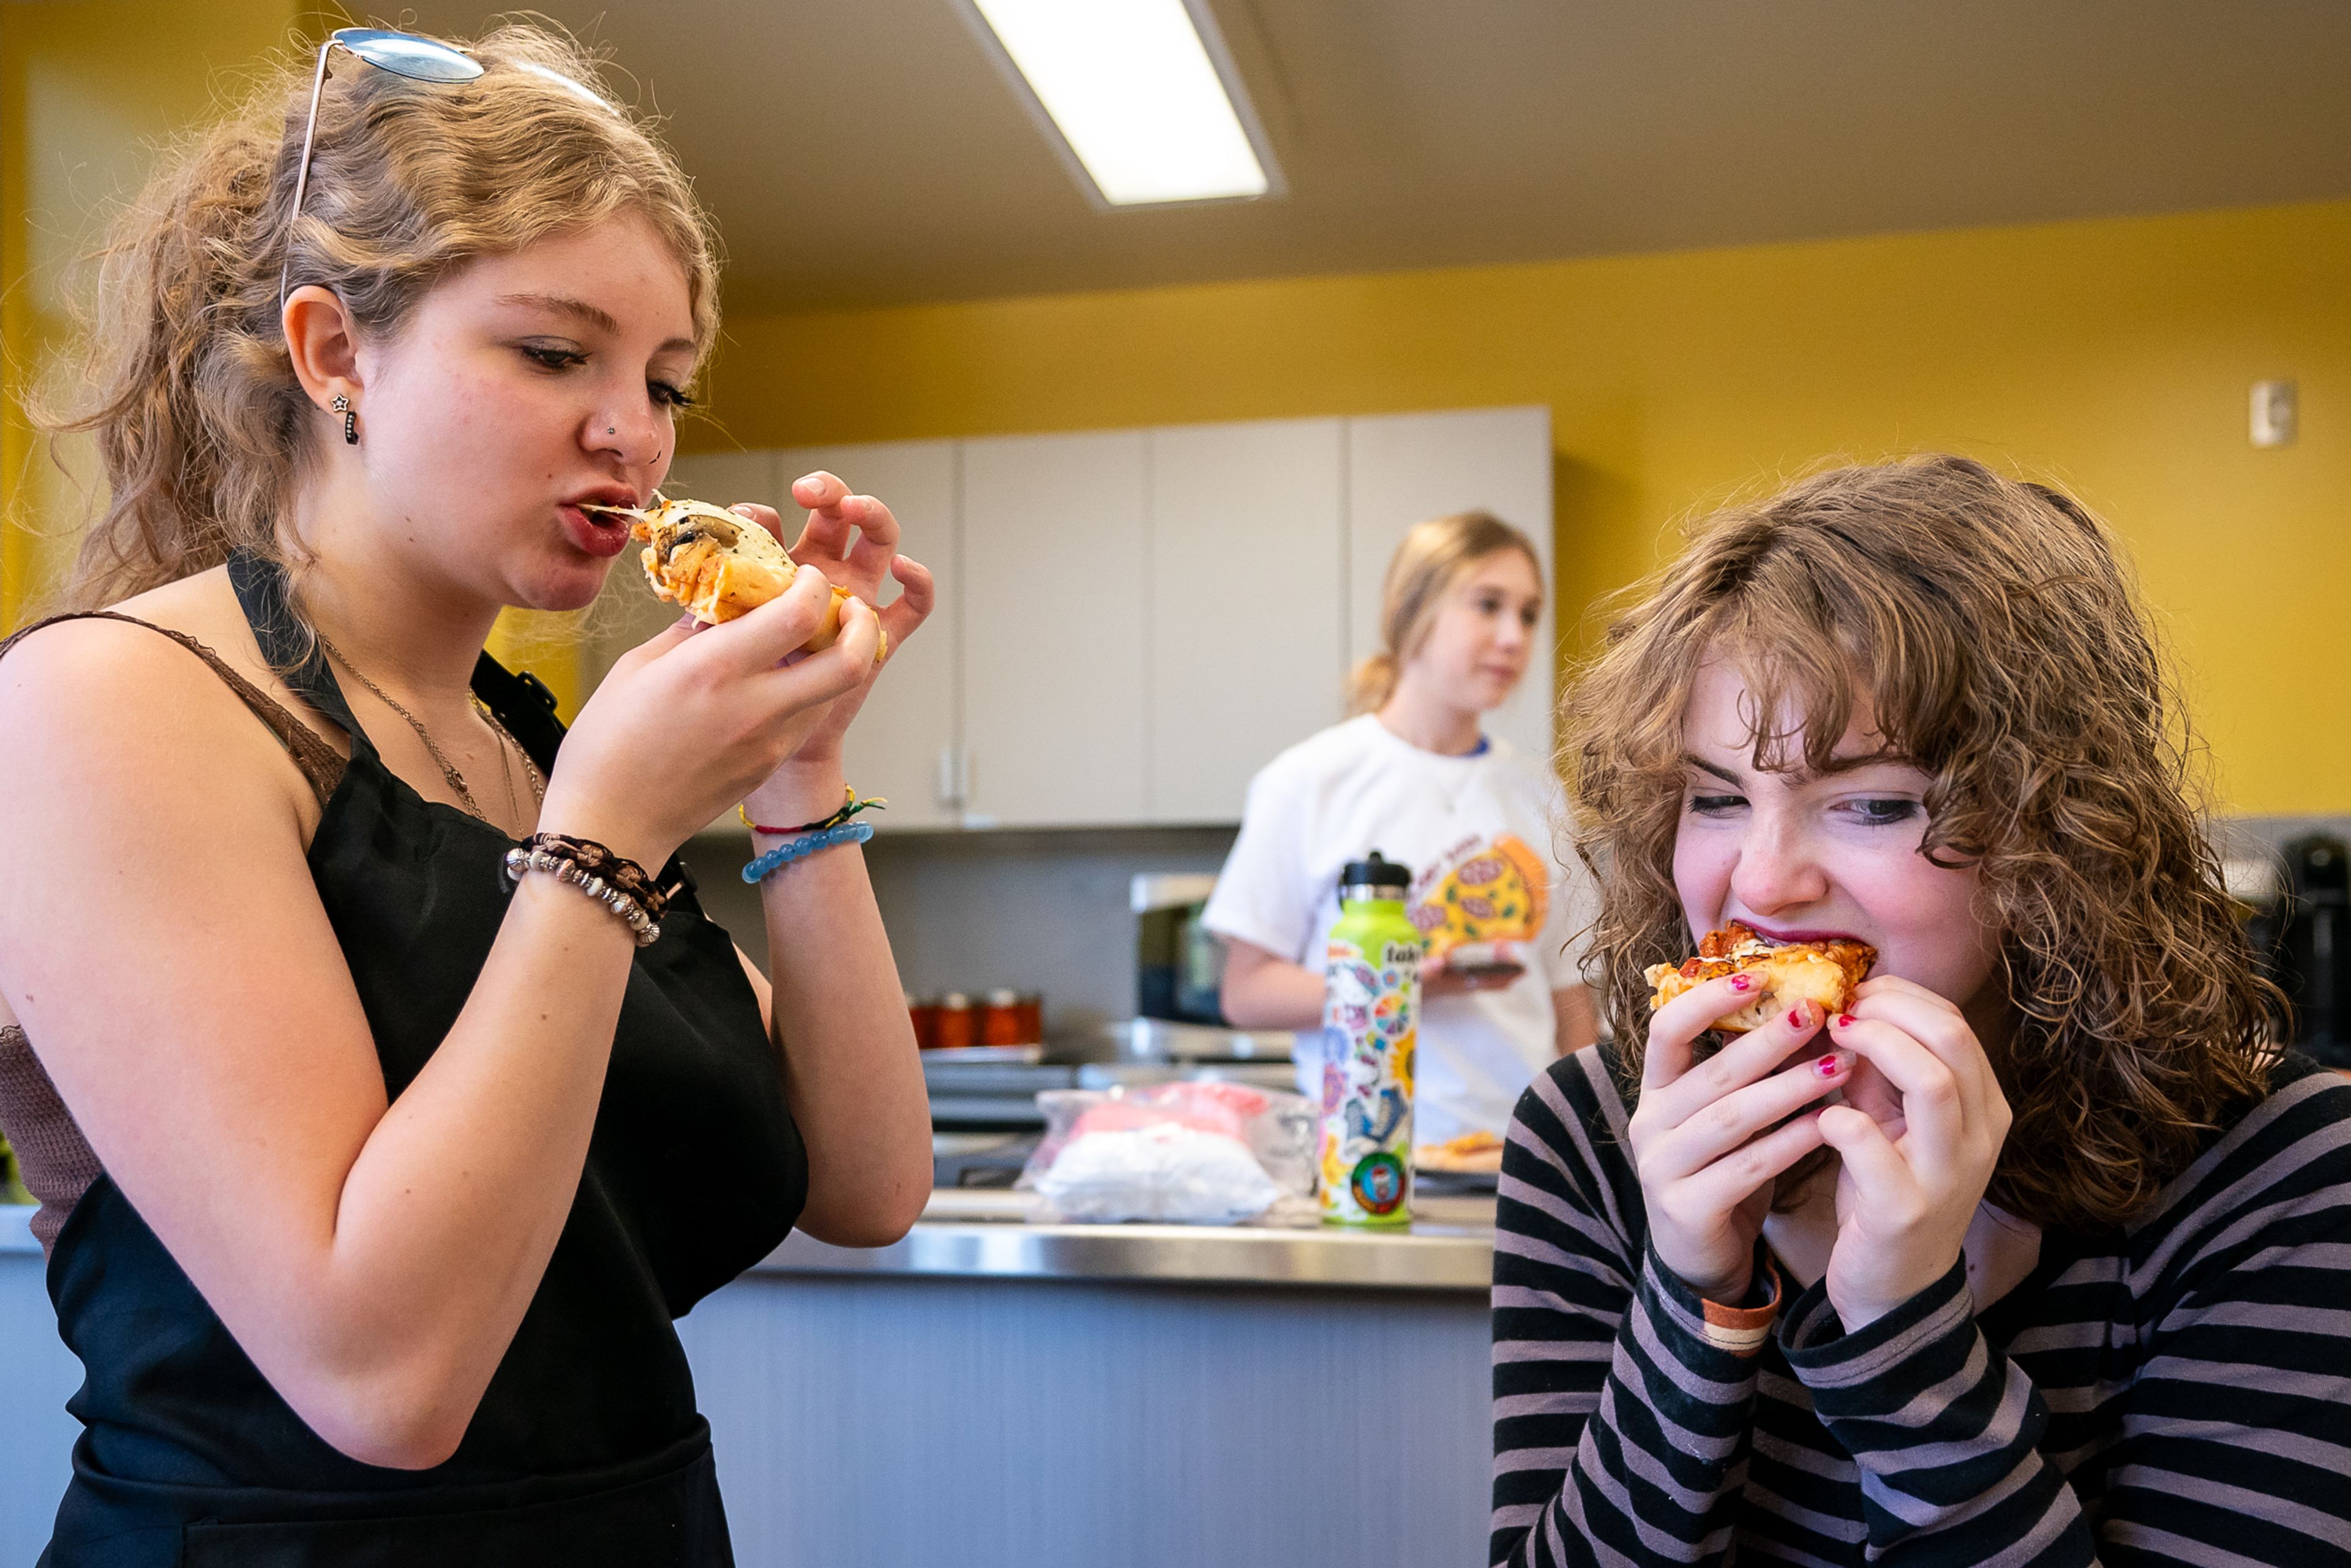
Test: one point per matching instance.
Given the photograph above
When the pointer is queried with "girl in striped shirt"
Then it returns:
(2041, 1253)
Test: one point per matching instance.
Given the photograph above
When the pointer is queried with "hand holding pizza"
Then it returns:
(1911, 1178)
(1709, 1138)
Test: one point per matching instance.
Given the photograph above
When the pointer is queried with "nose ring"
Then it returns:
(612, 430)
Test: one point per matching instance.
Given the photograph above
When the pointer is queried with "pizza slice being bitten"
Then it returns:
(717, 565)
(1791, 972)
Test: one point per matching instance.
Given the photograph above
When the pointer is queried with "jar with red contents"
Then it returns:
(1012, 1018)
(958, 1024)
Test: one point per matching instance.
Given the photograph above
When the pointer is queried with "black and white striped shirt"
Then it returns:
(2178, 1391)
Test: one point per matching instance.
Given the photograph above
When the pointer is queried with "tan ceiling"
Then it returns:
(860, 152)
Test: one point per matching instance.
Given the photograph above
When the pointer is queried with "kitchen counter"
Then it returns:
(967, 1235)
(977, 1234)
(1155, 1395)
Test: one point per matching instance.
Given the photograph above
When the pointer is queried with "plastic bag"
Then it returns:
(1195, 1154)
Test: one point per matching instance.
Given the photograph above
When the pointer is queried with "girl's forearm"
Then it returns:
(442, 1225)
(1264, 991)
(853, 1076)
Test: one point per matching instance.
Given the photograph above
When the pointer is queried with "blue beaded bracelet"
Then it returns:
(800, 846)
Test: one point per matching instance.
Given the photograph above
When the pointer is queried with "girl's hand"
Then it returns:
(852, 541)
(1709, 1139)
(1911, 1176)
(690, 721)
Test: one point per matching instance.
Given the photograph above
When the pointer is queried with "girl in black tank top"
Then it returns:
(543, 375)
(694, 1174)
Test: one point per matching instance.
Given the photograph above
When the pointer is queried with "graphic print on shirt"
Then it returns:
(1481, 892)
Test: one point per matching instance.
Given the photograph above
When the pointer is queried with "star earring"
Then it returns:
(342, 405)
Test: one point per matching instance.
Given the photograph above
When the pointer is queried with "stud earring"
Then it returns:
(342, 405)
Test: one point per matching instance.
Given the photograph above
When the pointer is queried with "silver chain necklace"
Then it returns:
(457, 781)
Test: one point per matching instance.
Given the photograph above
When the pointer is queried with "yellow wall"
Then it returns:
(2113, 356)
(87, 88)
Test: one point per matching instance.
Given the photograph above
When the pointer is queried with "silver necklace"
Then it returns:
(530, 767)
(457, 781)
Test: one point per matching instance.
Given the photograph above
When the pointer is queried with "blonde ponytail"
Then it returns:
(1433, 558)
(203, 430)
(1371, 683)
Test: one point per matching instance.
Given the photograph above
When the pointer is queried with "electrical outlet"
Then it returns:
(2276, 413)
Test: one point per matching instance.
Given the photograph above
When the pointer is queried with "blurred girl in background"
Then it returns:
(1413, 776)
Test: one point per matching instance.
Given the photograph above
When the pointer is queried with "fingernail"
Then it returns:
(1742, 982)
(1846, 1021)
(1833, 1065)
(1801, 1014)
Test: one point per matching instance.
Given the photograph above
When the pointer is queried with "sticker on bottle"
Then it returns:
(1378, 1183)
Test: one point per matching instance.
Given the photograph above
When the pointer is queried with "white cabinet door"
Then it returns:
(1053, 629)
(626, 613)
(723, 479)
(902, 744)
(1247, 634)
(1403, 467)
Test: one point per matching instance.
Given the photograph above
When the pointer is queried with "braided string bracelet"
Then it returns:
(810, 837)
(619, 884)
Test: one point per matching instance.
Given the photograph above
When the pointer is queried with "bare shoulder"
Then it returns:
(95, 694)
(164, 942)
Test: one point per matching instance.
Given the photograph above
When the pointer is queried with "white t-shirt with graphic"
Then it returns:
(1479, 833)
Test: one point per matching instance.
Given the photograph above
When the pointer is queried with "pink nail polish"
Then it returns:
(1796, 1015)
(1846, 1021)
(1742, 982)
(1829, 1066)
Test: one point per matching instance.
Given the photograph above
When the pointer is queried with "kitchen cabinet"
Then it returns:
(1053, 630)
(1403, 467)
(1247, 640)
(903, 746)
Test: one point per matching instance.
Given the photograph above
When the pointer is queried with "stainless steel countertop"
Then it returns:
(981, 1235)
(984, 1235)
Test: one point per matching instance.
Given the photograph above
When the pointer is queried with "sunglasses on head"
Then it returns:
(404, 54)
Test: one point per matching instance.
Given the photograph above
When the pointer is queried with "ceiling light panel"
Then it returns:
(1133, 89)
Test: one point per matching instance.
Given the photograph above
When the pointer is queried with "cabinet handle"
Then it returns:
(955, 776)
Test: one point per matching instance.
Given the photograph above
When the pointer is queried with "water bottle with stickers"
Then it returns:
(1371, 1019)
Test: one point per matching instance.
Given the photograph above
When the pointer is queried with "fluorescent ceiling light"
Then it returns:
(1132, 88)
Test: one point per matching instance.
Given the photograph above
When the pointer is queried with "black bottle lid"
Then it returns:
(1375, 872)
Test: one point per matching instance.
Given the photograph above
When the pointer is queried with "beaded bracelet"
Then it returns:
(612, 879)
(602, 860)
(800, 846)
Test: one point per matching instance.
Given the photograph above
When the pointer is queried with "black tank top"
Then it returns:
(587, 1447)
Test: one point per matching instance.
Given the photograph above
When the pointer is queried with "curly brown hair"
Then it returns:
(1990, 631)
